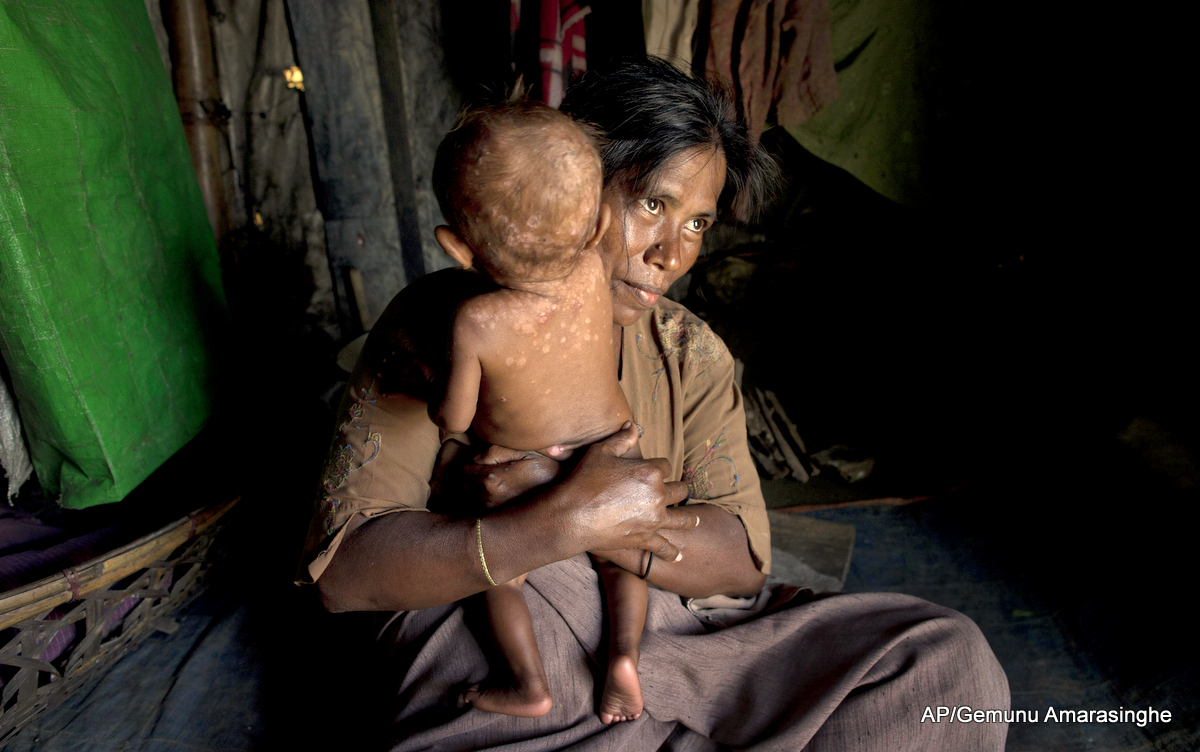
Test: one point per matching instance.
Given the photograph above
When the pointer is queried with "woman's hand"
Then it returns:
(612, 502)
(619, 502)
(414, 560)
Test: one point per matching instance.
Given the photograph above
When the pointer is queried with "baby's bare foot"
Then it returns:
(622, 698)
(524, 702)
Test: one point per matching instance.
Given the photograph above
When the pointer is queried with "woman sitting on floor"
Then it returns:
(849, 672)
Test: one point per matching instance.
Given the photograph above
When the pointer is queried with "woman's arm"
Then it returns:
(718, 558)
(410, 561)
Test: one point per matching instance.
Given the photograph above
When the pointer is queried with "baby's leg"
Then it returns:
(528, 693)
(625, 594)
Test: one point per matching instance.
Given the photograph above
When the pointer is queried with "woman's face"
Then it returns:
(655, 238)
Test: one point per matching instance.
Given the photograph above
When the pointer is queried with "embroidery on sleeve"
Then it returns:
(356, 412)
(338, 469)
(373, 437)
(341, 460)
(697, 478)
(686, 339)
(356, 407)
(331, 505)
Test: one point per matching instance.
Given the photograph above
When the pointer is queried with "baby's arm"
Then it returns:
(462, 382)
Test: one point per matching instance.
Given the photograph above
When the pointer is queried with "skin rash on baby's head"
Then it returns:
(532, 197)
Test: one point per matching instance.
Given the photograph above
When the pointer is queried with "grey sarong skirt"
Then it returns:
(844, 672)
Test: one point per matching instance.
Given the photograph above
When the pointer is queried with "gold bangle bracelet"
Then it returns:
(479, 543)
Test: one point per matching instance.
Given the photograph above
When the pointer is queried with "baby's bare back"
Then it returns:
(547, 361)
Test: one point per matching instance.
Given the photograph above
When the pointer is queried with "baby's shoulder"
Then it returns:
(495, 311)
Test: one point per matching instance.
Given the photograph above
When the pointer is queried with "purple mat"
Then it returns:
(30, 550)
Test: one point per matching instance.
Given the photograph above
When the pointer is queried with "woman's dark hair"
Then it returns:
(649, 111)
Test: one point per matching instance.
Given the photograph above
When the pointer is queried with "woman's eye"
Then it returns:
(651, 205)
(697, 225)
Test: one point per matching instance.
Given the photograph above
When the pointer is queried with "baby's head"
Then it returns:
(520, 185)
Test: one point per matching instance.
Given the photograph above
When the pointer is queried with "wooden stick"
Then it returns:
(791, 427)
(793, 461)
(360, 297)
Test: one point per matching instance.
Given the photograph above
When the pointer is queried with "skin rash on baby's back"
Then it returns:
(548, 371)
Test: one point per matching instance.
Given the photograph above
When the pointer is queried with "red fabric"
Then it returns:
(550, 51)
(562, 50)
(574, 46)
(785, 58)
(514, 23)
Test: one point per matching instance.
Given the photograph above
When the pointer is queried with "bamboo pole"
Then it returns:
(195, 75)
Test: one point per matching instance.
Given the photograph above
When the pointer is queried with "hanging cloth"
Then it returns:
(785, 58)
(881, 129)
(562, 50)
(514, 23)
(14, 457)
(670, 26)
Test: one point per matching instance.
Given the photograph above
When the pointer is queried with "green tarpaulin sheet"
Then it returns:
(110, 296)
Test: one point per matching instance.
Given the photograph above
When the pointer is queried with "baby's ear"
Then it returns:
(601, 227)
(454, 245)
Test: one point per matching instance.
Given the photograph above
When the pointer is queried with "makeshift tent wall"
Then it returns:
(110, 294)
(878, 128)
